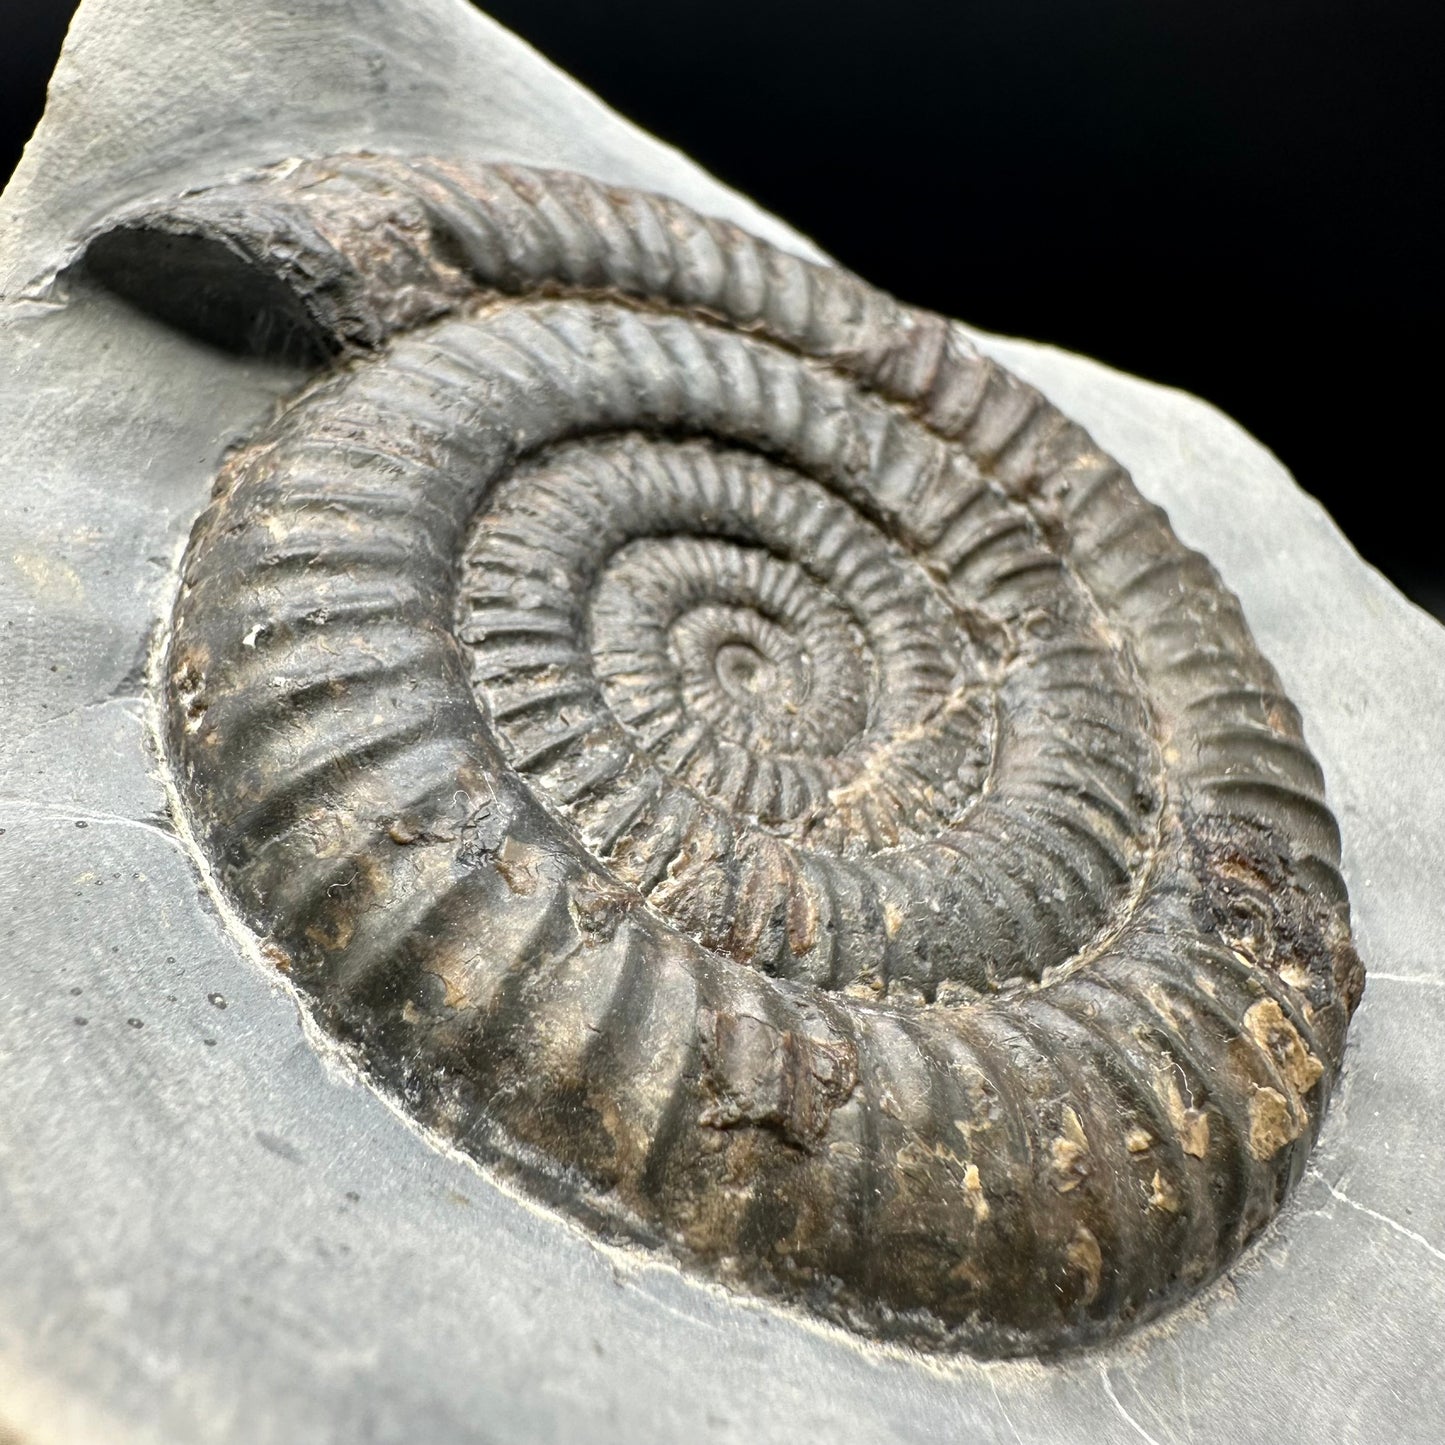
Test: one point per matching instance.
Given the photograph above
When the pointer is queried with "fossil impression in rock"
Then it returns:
(722, 749)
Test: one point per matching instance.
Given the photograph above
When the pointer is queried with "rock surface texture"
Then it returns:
(784, 519)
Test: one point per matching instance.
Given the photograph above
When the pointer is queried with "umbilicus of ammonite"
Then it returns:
(727, 753)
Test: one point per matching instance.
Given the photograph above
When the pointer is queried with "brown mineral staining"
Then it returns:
(1162, 1194)
(1296, 975)
(974, 1187)
(1085, 1257)
(278, 957)
(803, 918)
(893, 918)
(519, 867)
(1191, 1126)
(1272, 1122)
(1267, 1025)
(1070, 1154)
(407, 830)
(1194, 1133)
(1162, 1001)
(452, 974)
(1138, 1141)
(333, 933)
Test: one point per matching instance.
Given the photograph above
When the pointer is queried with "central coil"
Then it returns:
(774, 724)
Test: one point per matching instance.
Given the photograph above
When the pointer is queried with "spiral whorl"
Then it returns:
(723, 748)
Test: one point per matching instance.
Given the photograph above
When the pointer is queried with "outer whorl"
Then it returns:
(719, 746)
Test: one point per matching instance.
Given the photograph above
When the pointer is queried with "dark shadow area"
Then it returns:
(1238, 199)
(208, 289)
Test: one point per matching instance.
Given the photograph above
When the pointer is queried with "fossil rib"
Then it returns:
(720, 746)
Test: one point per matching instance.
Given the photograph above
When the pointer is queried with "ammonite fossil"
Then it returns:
(725, 751)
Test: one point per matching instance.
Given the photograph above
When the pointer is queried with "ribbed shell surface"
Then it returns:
(727, 752)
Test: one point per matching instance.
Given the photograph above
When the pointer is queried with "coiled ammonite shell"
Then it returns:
(725, 751)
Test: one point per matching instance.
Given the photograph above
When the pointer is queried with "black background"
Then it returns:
(1240, 197)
